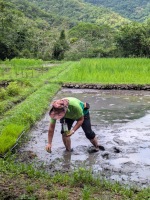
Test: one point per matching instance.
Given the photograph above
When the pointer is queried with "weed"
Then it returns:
(27, 197)
(30, 188)
(86, 193)
(82, 176)
(60, 194)
(39, 185)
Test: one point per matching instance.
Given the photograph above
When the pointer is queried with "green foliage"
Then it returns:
(13, 89)
(13, 130)
(90, 40)
(28, 118)
(22, 67)
(60, 47)
(22, 32)
(6, 143)
(137, 10)
(86, 193)
(10, 20)
(32, 30)
(36, 93)
(134, 40)
(83, 175)
(26, 113)
(38, 184)
(3, 94)
(8, 136)
(78, 11)
(109, 71)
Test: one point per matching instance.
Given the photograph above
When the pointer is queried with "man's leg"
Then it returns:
(88, 131)
(94, 141)
(66, 140)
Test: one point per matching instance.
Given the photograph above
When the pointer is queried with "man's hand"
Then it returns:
(69, 133)
(48, 148)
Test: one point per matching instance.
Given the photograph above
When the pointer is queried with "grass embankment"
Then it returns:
(19, 181)
(109, 71)
(32, 95)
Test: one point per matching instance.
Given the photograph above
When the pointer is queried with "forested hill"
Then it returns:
(138, 10)
(68, 29)
(78, 11)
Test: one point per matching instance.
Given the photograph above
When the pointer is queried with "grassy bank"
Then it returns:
(19, 181)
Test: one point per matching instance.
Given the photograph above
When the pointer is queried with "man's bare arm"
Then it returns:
(50, 136)
(77, 125)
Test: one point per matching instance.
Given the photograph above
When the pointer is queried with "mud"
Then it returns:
(121, 121)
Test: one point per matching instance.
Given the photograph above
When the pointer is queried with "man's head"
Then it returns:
(59, 108)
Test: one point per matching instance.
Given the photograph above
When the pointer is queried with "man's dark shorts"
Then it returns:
(86, 126)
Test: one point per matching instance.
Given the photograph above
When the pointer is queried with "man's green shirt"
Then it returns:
(75, 109)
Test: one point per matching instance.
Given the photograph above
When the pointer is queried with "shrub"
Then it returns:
(3, 94)
(13, 89)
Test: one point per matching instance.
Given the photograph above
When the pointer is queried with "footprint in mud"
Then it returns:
(105, 155)
(116, 150)
(94, 150)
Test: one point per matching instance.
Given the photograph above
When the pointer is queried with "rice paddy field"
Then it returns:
(109, 71)
(27, 87)
(32, 83)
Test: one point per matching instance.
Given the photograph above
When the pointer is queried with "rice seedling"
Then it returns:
(9, 136)
(6, 143)
(109, 71)
(19, 68)
(27, 113)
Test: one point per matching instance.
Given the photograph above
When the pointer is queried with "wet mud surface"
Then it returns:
(121, 121)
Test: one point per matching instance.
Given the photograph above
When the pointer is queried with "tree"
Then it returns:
(133, 40)
(60, 47)
(8, 24)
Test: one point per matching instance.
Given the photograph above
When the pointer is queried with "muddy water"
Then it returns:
(121, 121)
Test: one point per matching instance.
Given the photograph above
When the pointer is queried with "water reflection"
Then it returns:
(110, 107)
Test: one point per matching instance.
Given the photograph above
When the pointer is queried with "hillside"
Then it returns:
(27, 31)
(136, 10)
(78, 11)
(68, 29)
(33, 12)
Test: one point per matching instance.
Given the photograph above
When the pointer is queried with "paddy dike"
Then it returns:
(121, 121)
(108, 86)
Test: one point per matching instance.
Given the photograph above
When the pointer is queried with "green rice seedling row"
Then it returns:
(23, 101)
(109, 71)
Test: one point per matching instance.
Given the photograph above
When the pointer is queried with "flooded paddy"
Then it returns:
(121, 121)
